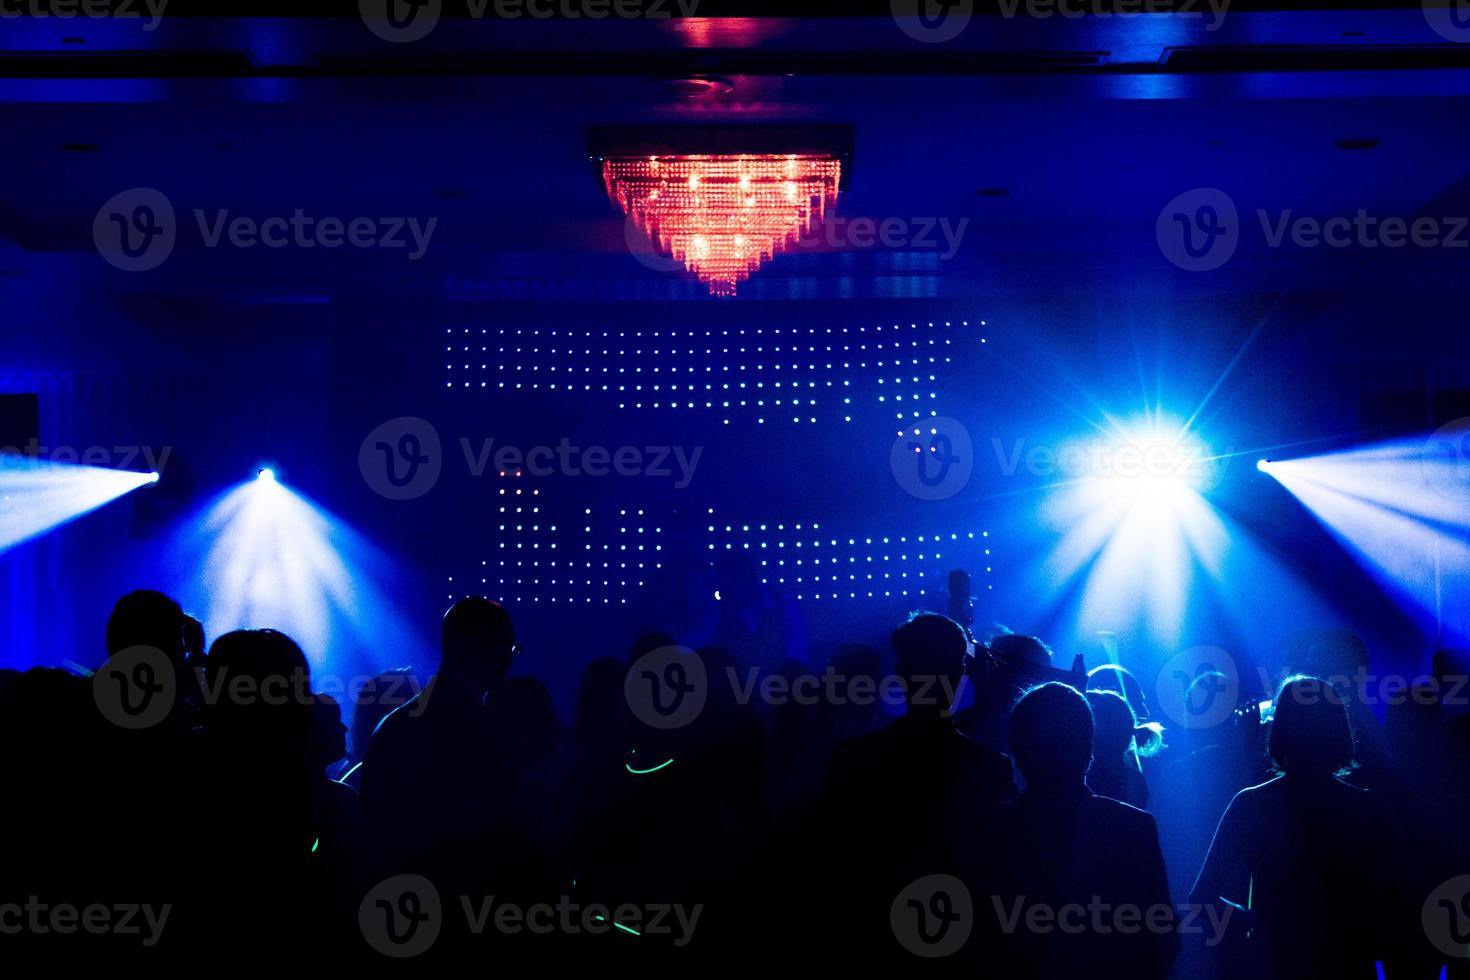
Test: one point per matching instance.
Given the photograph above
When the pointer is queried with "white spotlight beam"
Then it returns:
(37, 496)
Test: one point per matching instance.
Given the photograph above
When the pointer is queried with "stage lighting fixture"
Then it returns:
(154, 477)
(1135, 524)
(1264, 465)
(269, 556)
(1403, 509)
(38, 495)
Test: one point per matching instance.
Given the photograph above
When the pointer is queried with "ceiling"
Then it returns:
(1047, 145)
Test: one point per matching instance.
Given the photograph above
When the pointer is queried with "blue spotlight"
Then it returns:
(38, 495)
(1264, 465)
(270, 557)
(1135, 524)
(154, 477)
(1403, 508)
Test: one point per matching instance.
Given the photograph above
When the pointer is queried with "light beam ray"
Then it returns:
(37, 495)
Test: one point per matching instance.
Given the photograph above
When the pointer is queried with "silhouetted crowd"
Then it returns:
(947, 806)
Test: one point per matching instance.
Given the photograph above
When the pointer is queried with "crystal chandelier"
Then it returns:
(722, 216)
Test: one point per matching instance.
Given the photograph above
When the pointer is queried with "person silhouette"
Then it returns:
(142, 768)
(1115, 772)
(427, 773)
(1063, 852)
(1301, 854)
(371, 703)
(250, 779)
(909, 795)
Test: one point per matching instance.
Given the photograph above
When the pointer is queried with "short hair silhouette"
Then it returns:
(1120, 680)
(146, 618)
(1019, 650)
(930, 648)
(1050, 735)
(477, 638)
(279, 692)
(1113, 722)
(1310, 731)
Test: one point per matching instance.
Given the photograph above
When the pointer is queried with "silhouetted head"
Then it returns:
(1112, 724)
(601, 713)
(931, 651)
(146, 618)
(328, 734)
(645, 643)
(1310, 731)
(376, 699)
(1119, 680)
(1050, 736)
(478, 642)
(1020, 651)
(263, 683)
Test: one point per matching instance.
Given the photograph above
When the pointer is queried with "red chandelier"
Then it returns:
(722, 216)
